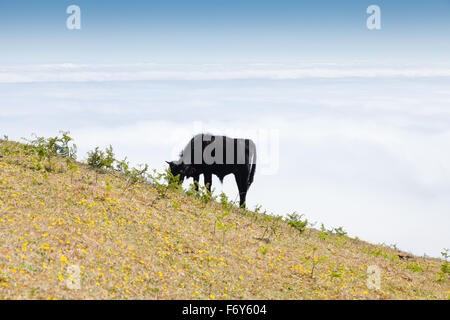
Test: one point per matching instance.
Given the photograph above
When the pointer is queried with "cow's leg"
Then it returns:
(241, 182)
(208, 180)
(196, 181)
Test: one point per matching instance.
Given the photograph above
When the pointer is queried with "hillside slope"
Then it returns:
(72, 233)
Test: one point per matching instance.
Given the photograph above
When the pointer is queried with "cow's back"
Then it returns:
(234, 151)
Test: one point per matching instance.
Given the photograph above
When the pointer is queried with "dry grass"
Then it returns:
(131, 244)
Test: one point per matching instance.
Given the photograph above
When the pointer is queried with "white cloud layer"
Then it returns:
(150, 71)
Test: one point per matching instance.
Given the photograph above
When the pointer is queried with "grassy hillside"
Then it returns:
(136, 240)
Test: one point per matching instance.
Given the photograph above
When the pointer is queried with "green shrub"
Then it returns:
(132, 174)
(64, 146)
(47, 148)
(164, 182)
(445, 267)
(201, 192)
(98, 159)
(339, 231)
(295, 221)
(226, 203)
(222, 225)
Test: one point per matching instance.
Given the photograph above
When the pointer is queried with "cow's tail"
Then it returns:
(252, 163)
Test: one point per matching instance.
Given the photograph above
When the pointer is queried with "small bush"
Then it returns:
(98, 159)
(222, 225)
(202, 193)
(164, 182)
(339, 231)
(133, 175)
(226, 203)
(445, 267)
(295, 221)
(47, 148)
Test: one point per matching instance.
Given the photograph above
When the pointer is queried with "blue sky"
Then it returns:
(228, 30)
(352, 126)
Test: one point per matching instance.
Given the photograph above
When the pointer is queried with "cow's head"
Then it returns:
(181, 169)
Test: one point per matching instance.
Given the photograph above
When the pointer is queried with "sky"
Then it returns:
(352, 125)
(223, 30)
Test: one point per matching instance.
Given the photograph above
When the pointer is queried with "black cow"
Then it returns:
(219, 155)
